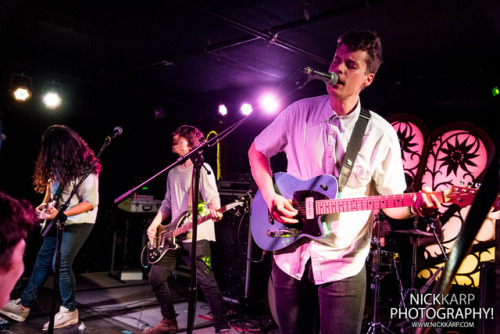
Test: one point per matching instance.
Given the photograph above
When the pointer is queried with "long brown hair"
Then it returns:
(63, 156)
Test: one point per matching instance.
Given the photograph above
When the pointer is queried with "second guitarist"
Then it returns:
(177, 201)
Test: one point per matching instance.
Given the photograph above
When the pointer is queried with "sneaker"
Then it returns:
(15, 311)
(63, 318)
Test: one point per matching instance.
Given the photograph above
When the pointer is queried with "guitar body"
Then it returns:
(165, 240)
(266, 230)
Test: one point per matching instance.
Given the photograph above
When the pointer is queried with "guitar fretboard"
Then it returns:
(329, 206)
(188, 223)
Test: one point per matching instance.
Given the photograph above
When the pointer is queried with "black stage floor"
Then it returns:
(106, 304)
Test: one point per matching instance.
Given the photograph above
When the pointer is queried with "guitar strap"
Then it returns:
(58, 194)
(353, 147)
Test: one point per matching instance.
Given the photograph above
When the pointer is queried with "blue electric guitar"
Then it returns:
(315, 198)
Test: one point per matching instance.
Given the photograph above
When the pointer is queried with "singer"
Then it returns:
(314, 133)
(63, 157)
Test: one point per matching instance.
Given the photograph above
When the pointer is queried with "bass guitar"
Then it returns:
(167, 235)
(315, 198)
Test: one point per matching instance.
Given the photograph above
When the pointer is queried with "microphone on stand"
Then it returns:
(116, 132)
(330, 78)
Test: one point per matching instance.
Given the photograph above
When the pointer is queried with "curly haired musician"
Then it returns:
(64, 157)
(314, 134)
(176, 203)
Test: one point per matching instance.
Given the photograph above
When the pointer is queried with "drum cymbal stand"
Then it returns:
(414, 234)
(375, 285)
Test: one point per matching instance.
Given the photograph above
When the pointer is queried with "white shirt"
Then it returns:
(87, 192)
(314, 140)
(177, 196)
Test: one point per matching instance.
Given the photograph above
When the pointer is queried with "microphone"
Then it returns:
(330, 78)
(116, 132)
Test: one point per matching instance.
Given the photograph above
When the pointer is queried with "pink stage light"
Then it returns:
(246, 109)
(222, 110)
(269, 103)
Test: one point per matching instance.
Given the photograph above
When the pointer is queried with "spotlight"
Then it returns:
(20, 87)
(269, 103)
(246, 109)
(52, 94)
(222, 110)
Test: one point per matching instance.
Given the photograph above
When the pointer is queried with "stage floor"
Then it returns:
(109, 305)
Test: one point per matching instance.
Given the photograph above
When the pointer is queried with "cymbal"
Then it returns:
(415, 231)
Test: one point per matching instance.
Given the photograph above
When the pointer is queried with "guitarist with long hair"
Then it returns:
(314, 134)
(63, 158)
(175, 205)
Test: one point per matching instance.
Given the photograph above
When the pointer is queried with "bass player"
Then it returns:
(176, 203)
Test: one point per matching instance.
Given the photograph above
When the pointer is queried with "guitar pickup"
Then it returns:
(283, 233)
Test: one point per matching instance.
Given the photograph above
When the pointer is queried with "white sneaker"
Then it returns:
(14, 310)
(63, 318)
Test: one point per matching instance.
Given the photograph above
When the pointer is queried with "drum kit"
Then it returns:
(382, 262)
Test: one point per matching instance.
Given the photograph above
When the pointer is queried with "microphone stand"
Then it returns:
(195, 155)
(60, 221)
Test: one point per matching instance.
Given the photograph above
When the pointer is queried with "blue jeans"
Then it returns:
(341, 303)
(161, 270)
(74, 236)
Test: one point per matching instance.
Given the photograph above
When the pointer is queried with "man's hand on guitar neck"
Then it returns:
(282, 210)
(425, 203)
(214, 208)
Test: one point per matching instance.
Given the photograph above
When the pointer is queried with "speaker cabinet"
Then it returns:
(233, 254)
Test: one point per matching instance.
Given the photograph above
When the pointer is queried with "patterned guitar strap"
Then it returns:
(353, 148)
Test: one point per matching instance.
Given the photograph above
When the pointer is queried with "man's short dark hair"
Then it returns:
(17, 217)
(367, 41)
(192, 134)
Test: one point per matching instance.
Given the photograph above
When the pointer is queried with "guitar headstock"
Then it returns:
(234, 205)
(461, 196)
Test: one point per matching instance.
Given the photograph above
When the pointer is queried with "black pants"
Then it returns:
(162, 270)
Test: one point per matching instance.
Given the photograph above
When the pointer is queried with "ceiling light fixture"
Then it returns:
(52, 94)
(20, 87)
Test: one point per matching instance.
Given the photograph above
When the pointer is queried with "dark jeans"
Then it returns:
(341, 303)
(161, 270)
(74, 236)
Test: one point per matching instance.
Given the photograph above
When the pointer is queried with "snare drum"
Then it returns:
(388, 260)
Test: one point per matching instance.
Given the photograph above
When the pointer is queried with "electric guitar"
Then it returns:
(166, 235)
(315, 198)
(45, 223)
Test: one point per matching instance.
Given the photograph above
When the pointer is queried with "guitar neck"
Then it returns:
(329, 206)
(188, 225)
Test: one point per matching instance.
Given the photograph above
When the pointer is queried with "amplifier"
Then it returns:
(236, 184)
(140, 204)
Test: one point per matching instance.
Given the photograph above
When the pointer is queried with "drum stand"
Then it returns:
(376, 326)
(414, 235)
